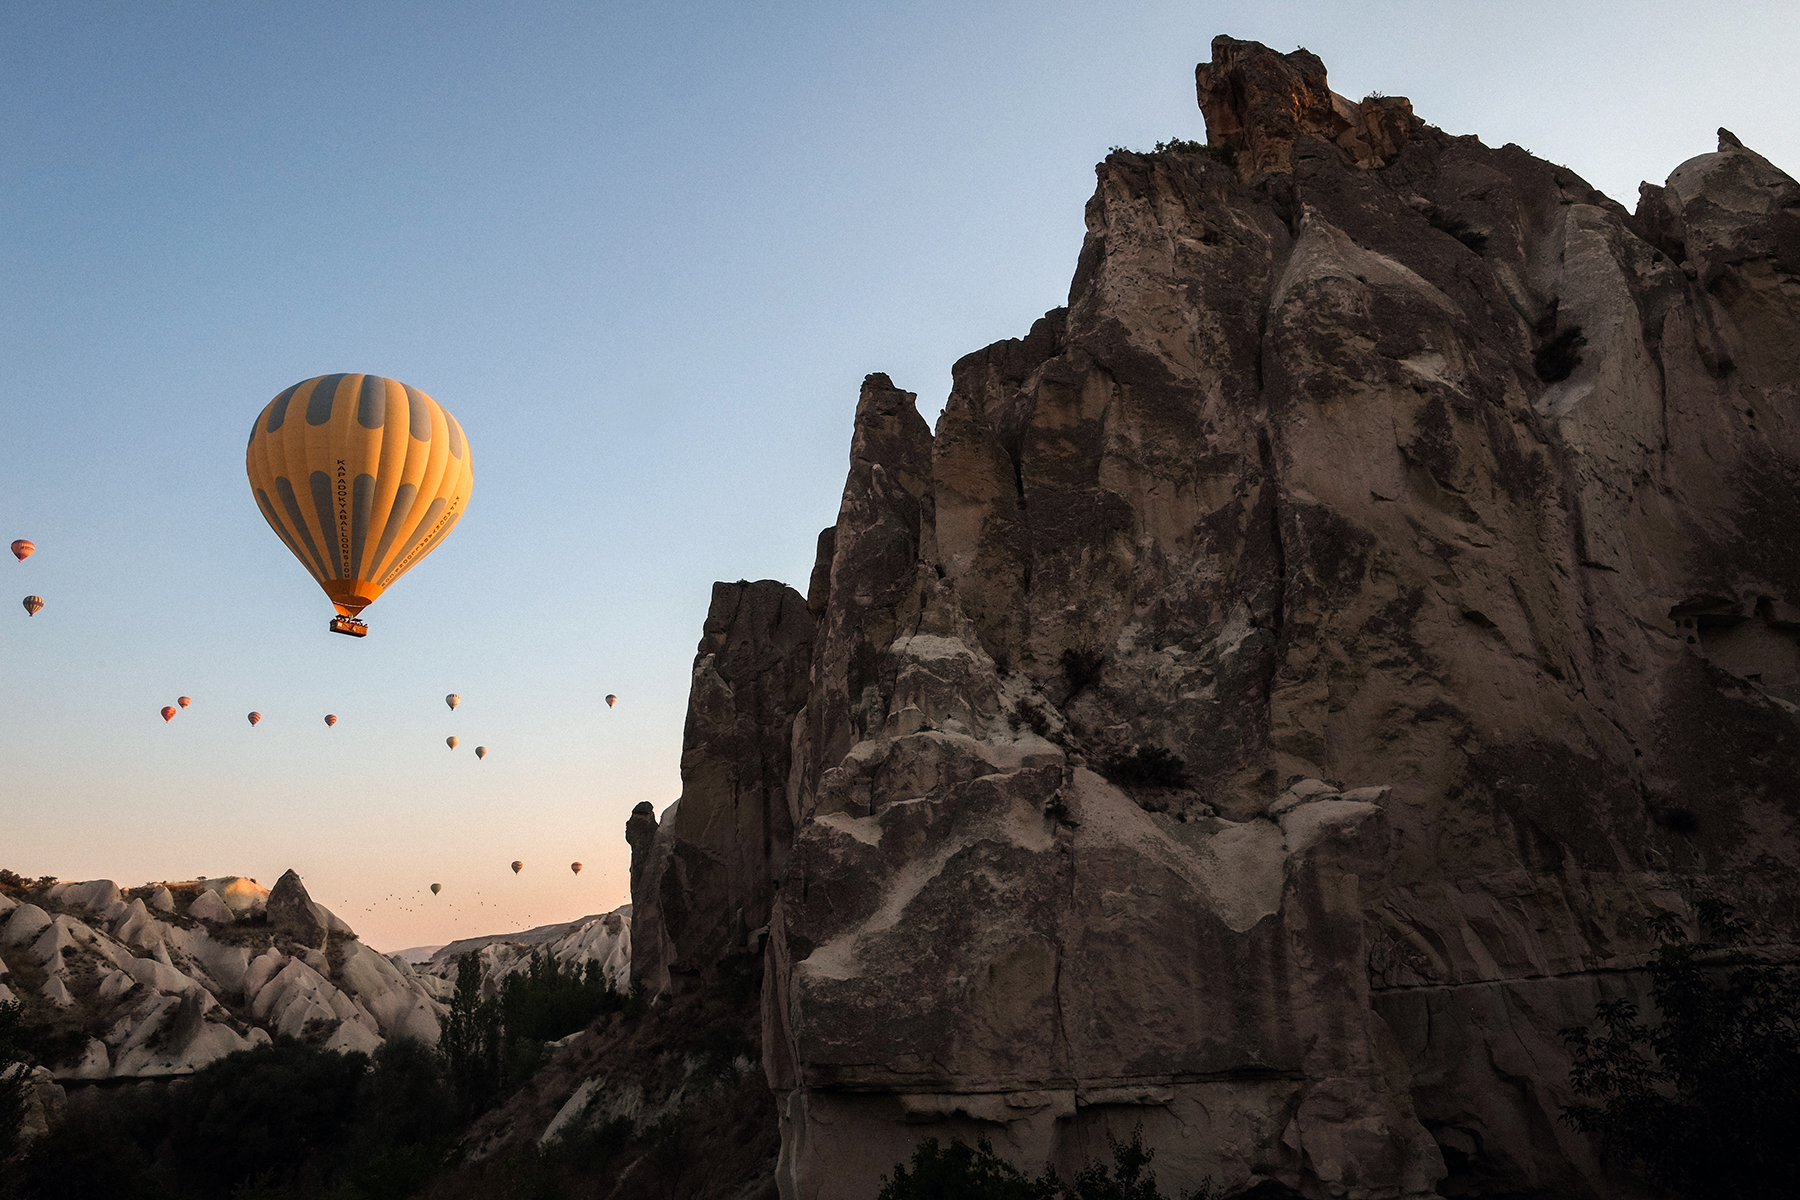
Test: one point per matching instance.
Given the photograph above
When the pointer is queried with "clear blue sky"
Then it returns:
(645, 253)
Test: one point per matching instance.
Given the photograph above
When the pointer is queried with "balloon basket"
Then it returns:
(349, 625)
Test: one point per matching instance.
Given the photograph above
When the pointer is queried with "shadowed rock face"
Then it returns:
(703, 881)
(1270, 704)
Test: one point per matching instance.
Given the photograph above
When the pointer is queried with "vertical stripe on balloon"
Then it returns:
(321, 496)
(279, 405)
(285, 490)
(371, 402)
(324, 394)
(362, 503)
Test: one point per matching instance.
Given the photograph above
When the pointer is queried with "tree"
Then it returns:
(15, 1076)
(1704, 1102)
(469, 1042)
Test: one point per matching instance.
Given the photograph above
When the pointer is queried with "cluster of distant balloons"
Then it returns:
(517, 866)
(23, 550)
(360, 477)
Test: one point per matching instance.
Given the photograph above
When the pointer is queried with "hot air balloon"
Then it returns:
(517, 866)
(23, 549)
(330, 720)
(360, 477)
(169, 711)
(255, 717)
(184, 701)
(481, 752)
(451, 742)
(575, 867)
(453, 700)
(436, 888)
(33, 603)
(611, 700)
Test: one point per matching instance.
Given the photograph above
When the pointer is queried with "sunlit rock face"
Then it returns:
(1269, 705)
(163, 979)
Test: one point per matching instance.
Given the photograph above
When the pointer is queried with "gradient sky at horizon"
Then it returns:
(646, 254)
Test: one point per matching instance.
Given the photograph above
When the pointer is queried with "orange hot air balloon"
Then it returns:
(575, 867)
(481, 752)
(453, 700)
(517, 866)
(451, 742)
(360, 477)
(23, 549)
(436, 888)
(184, 701)
(611, 700)
(168, 712)
(255, 717)
(33, 604)
(330, 719)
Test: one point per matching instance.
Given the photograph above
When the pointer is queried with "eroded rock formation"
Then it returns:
(1270, 704)
(163, 979)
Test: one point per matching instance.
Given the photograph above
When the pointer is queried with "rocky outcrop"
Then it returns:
(703, 880)
(1269, 705)
(163, 979)
(602, 940)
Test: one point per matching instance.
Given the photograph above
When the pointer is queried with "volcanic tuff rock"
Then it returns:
(603, 938)
(1270, 705)
(163, 979)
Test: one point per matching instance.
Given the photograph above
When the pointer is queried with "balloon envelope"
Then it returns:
(453, 700)
(451, 742)
(330, 719)
(481, 752)
(255, 717)
(611, 700)
(33, 603)
(436, 888)
(184, 701)
(23, 549)
(168, 712)
(360, 477)
(575, 867)
(517, 867)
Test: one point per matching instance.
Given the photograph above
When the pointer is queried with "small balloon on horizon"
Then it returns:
(23, 549)
(255, 717)
(330, 720)
(33, 604)
(184, 701)
(452, 742)
(168, 712)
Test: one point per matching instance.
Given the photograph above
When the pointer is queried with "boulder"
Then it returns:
(208, 907)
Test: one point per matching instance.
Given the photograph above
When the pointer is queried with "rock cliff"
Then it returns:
(1273, 700)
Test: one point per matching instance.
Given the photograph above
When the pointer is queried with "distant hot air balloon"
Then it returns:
(575, 867)
(481, 752)
(169, 711)
(517, 866)
(453, 700)
(184, 701)
(255, 717)
(451, 742)
(360, 477)
(23, 549)
(611, 700)
(436, 888)
(33, 603)
(330, 719)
